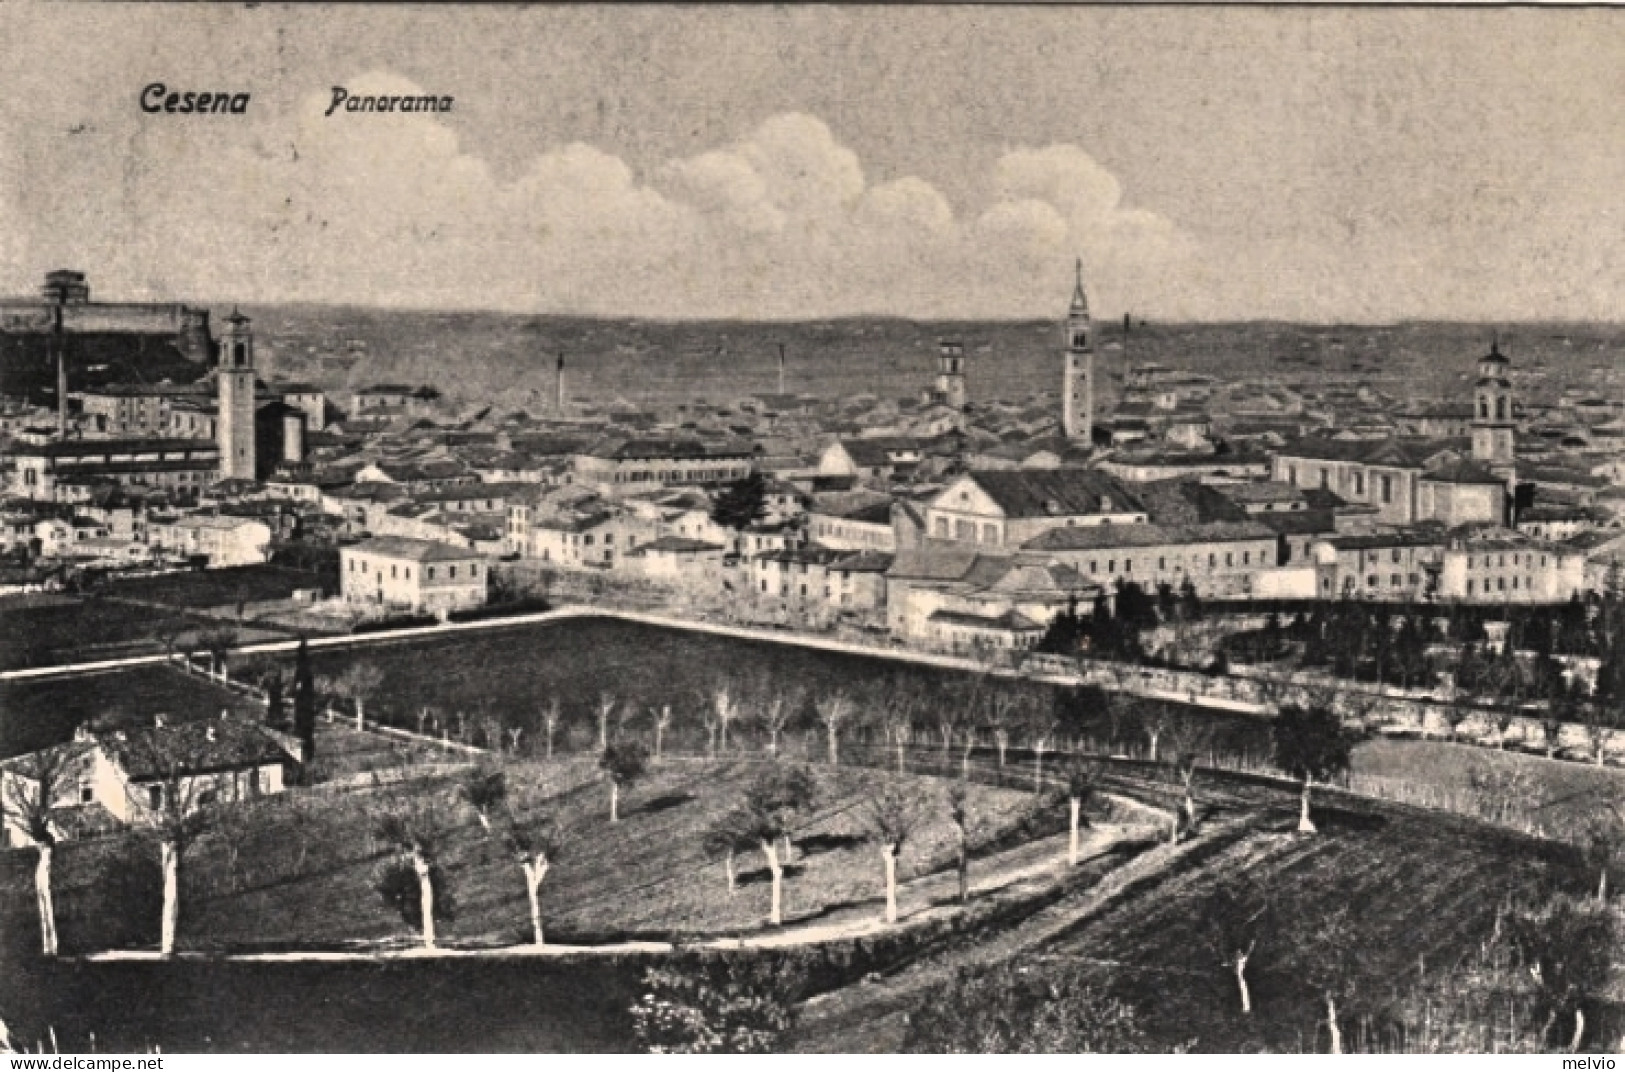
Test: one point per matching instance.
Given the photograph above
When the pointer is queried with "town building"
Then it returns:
(121, 777)
(223, 539)
(1221, 559)
(622, 466)
(44, 471)
(417, 575)
(1004, 508)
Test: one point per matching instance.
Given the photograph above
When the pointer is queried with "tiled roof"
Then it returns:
(1024, 493)
(1105, 537)
(150, 752)
(399, 547)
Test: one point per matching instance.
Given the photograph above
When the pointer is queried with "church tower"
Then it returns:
(1078, 375)
(951, 374)
(1492, 416)
(234, 428)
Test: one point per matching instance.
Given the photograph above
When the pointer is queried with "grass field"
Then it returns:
(34, 714)
(222, 587)
(515, 672)
(1422, 889)
(79, 630)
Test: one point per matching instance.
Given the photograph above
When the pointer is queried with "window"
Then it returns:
(86, 794)
(451, 572)
(1162, 564)
(1229, 558)
(1359, 482)
(155, 796)
(474, 570)
(1394, 581)
(1325, 477)
(392, 573)
(1469, 587)
(431, 568)
(1111, 565)
(1371, 581)
(1387, 488)
(1212, 560)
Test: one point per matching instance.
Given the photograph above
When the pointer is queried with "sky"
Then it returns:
(1206, 163)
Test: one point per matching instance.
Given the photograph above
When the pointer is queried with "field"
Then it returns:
(34, 714)
(1421, 889)
(221, 587)
(66, 630)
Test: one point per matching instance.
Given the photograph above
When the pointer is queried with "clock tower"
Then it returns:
(1078, 370)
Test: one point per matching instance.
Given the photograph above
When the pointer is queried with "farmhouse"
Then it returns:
(419, 575)
(122, 777)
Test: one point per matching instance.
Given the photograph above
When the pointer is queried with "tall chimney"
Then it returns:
(781, 368)
(558, 387)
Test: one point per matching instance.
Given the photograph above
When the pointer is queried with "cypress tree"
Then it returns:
(304, 702)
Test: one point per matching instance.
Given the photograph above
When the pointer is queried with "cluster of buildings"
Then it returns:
(943, 520)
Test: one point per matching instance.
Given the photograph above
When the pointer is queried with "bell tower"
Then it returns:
(1078, 372)
(1492, 416)
(234, 429)
(951, 374)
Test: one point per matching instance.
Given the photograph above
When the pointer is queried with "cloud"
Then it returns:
(392, 209)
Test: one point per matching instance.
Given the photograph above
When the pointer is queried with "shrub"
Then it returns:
(1052, 1008)
(716, 1005)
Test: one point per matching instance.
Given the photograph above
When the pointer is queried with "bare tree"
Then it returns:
(1188, 740)
(894, 710)
(550, 722)
(606, 707)
(1080, 780)
(1001, 711)
(833, 711)
(959, 812)
(1326, 955)
(778, 710)
(414, 820)
(1238, 918)
(1598, 723)
(174, 808)
(1604, 844)
(662, 721)
(725, 705)
(358, 681)
(730, 835)
(536, 844)
(491, 727)
(1568, 947)
(514, 734)
(1041, 730)
(889, 818)
(33, 784)
(1551, 731)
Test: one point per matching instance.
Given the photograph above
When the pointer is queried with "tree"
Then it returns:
(725, 705)
(535, 844)
(606, 708)
(304, 703)
(551, 715)
(33, 784)
(894, 710)
(218, 643)
(1080, 780)
(1009, 1008)
(728, 836)
(1604, 843)
(275, 686)
(1325, 953)
(1310, 745)
(174, 809)
(1238, 919)
(1189, 739)
(1568, 946)
(358, 681)
(624, 762)
(662, 720)
(833, 710)
(742, 503)
(959, 813)
(789, 792)
(889, 819)
(486, 791)
(414, 820)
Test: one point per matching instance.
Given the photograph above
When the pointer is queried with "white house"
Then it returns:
(420, 575)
